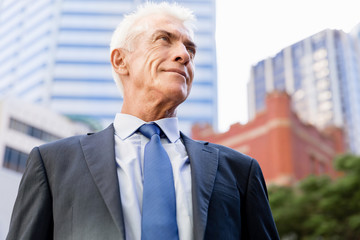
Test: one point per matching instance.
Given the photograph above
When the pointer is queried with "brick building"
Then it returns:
(286, 148)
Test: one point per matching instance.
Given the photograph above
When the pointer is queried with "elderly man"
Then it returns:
(141, 178)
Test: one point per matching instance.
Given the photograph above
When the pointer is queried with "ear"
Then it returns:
(118, 61)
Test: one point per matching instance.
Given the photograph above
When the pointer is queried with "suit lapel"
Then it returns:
(99, 152)
(204, 164)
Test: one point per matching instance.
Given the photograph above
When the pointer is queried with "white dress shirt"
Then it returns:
(129, 154)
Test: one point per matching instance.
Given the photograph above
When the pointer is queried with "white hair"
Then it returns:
(127, 31)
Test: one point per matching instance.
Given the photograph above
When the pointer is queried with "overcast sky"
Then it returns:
(251, 30)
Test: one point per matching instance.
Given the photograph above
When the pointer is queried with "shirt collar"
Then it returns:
(169, 126)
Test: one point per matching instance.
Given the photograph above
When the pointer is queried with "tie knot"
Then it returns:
(149, 129)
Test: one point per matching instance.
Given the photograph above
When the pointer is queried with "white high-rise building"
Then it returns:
(56, 53)
(322, 75)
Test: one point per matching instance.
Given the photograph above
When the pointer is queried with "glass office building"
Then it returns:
(321, 73)
(352, 90)
(56, 53)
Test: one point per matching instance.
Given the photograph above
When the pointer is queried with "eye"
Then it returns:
(164, 38)
(192, 51)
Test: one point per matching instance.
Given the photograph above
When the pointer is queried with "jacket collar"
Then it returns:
(99, 152)
(204, 165)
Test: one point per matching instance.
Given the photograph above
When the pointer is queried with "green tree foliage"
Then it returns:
(319, 207)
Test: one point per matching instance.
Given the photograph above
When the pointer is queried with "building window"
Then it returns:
(279, 71)
(32, 131)
(312, 165)
(297, 50)
(297, 64)
(318, 41)
(15, 160)
(322, 168)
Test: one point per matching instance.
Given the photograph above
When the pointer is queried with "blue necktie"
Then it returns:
(159, 202)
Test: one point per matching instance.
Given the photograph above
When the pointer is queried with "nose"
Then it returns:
(181, 54)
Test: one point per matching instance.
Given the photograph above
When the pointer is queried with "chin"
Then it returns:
(179, 93)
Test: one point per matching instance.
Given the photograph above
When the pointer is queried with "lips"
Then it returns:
(175, 70)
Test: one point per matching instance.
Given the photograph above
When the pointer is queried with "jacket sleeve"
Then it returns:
(258, 217)
(32, 214)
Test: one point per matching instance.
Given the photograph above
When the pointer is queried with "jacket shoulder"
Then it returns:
(73, 142)
(225, 153)
(68, 142)
(231, 154)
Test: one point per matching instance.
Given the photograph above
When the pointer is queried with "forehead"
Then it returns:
(154, 23)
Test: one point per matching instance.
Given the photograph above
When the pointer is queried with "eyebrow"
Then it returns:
(187, 42)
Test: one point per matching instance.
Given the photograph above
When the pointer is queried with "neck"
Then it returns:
(148, 110)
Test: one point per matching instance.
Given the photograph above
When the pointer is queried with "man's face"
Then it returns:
(162, 63)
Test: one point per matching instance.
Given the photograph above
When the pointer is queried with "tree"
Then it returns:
(319, 207)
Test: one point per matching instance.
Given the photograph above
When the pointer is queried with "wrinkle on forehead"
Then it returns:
(151, 22)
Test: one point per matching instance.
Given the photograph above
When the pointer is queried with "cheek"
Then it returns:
(153, 63)
(191, 71)
(153, 55)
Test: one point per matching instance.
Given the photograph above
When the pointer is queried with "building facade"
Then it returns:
(56, 53)
(352, 91)
(22, 127)
(321, 73)
(286, 148)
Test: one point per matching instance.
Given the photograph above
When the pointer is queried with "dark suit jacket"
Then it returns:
(70, 190)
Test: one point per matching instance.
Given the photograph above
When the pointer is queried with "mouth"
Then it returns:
(178, 71)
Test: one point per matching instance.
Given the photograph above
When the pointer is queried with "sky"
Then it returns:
(248, 31)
